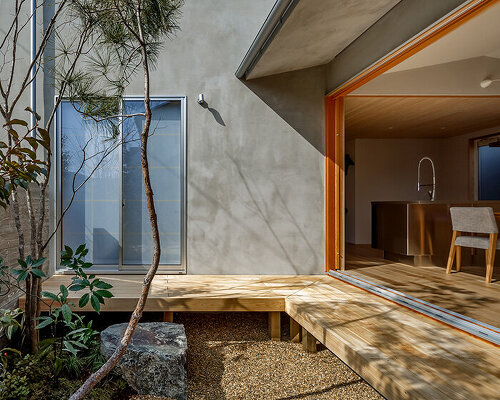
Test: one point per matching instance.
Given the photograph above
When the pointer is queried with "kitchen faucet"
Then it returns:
(432, 193)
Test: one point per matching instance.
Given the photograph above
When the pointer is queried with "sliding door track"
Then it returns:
(456, 320)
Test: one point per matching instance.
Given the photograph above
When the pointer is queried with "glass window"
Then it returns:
(122, 237)
(489, 171)
(164, 155)
(93, 216)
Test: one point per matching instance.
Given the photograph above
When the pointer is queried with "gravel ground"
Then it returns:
(230, 357)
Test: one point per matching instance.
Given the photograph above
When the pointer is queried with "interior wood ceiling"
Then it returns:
(419, 117)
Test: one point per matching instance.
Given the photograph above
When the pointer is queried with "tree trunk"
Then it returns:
(96, 377)
(33, 300)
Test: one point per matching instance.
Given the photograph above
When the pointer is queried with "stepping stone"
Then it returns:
(155, 362)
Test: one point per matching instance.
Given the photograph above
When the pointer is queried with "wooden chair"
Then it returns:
(477, 220)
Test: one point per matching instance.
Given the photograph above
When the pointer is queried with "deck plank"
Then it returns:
(402, 354)
(465, 292)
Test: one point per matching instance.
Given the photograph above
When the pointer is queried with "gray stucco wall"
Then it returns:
(255, 155)
(255, 162)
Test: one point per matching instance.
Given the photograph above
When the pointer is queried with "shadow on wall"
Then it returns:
(298, 98)
(215, 113)
(280, 248)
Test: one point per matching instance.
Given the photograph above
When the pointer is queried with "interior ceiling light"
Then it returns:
(487, 82)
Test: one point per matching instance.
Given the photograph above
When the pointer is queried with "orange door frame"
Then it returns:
(335, 132)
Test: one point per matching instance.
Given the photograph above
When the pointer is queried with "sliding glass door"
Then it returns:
(102, 191)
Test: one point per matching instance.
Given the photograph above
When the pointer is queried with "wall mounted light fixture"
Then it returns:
(201, 99)
(487, 82)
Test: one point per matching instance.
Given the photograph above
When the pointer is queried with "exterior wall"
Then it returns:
(255, 155)
(8, 232)
(255, 162)
(9, 240)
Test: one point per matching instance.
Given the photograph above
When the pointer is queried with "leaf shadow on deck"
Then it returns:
(380, 340)
(464, 293)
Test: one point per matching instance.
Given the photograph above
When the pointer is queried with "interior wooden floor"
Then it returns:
(402, 354)
(464, 292)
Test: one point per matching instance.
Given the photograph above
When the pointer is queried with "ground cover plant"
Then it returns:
(70, 349)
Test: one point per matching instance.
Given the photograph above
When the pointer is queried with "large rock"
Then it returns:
(155, 360)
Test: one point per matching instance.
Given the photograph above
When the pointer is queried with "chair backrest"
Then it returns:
(473, 219)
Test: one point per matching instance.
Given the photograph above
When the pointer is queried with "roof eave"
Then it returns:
(273, 23)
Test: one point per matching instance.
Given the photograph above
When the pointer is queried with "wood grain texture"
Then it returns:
(334, 183)
(464, 292)
(402, 354)
(275, 325)
(168, 316)
(295, 331)
(308, 342)
(418, 117)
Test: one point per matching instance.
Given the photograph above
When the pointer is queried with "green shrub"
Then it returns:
(32, 378)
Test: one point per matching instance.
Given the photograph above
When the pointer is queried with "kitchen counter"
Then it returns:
(418, 231)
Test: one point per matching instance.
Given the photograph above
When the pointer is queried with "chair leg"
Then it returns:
(459, 257)
(490, 256)
(452, 253)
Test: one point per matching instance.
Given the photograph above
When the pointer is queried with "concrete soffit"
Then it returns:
(273, 23)
(346, 36)
(299, 34)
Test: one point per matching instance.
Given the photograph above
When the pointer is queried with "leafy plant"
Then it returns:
(15, 383)
(76, 336)
(28, 267)
(10, 322)
(88, 360)
(32, 378)
(95, 289)
(19, 164)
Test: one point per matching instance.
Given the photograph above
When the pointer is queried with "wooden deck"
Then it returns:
(464, 292)
(402, 354)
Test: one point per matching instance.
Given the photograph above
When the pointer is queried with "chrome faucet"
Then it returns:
(432, 193)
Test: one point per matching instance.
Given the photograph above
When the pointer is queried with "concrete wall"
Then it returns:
(401, 23)
(255, 162)
(255, 155)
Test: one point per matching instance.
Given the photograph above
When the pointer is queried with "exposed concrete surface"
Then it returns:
(316, 31)
(406, 19)
(255, 163)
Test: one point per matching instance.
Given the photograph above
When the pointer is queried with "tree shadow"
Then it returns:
(397, 351)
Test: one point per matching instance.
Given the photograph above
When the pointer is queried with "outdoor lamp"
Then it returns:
(487, 82)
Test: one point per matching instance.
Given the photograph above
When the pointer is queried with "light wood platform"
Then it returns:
(402, 354)
(463, 292)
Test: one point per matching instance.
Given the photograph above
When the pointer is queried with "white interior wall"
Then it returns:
(386, 170)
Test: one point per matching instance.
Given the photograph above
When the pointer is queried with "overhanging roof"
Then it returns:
(303, 33)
